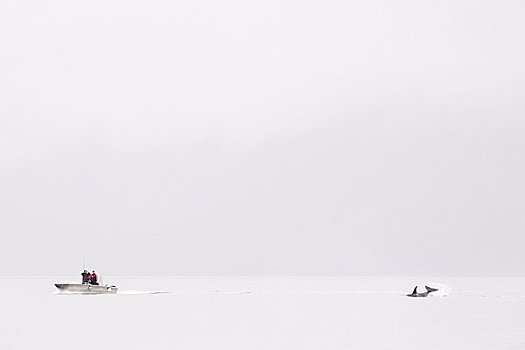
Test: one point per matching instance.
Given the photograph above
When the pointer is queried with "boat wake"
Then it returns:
(143, 292)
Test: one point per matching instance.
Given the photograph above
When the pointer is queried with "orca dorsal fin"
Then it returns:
(415, 290)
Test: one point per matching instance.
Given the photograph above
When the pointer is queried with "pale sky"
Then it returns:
(274, 137)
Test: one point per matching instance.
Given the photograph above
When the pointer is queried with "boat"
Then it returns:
(86, 288)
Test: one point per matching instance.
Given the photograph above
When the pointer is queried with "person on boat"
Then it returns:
(93, 279)
(85, 277)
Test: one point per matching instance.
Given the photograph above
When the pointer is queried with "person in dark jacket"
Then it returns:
(93, 278)
(85, 277)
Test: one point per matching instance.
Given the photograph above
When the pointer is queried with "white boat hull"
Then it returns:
(86, 288)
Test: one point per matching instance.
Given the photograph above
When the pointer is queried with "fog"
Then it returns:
(279, 137)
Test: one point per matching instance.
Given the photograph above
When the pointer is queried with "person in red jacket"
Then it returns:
(93, 279)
